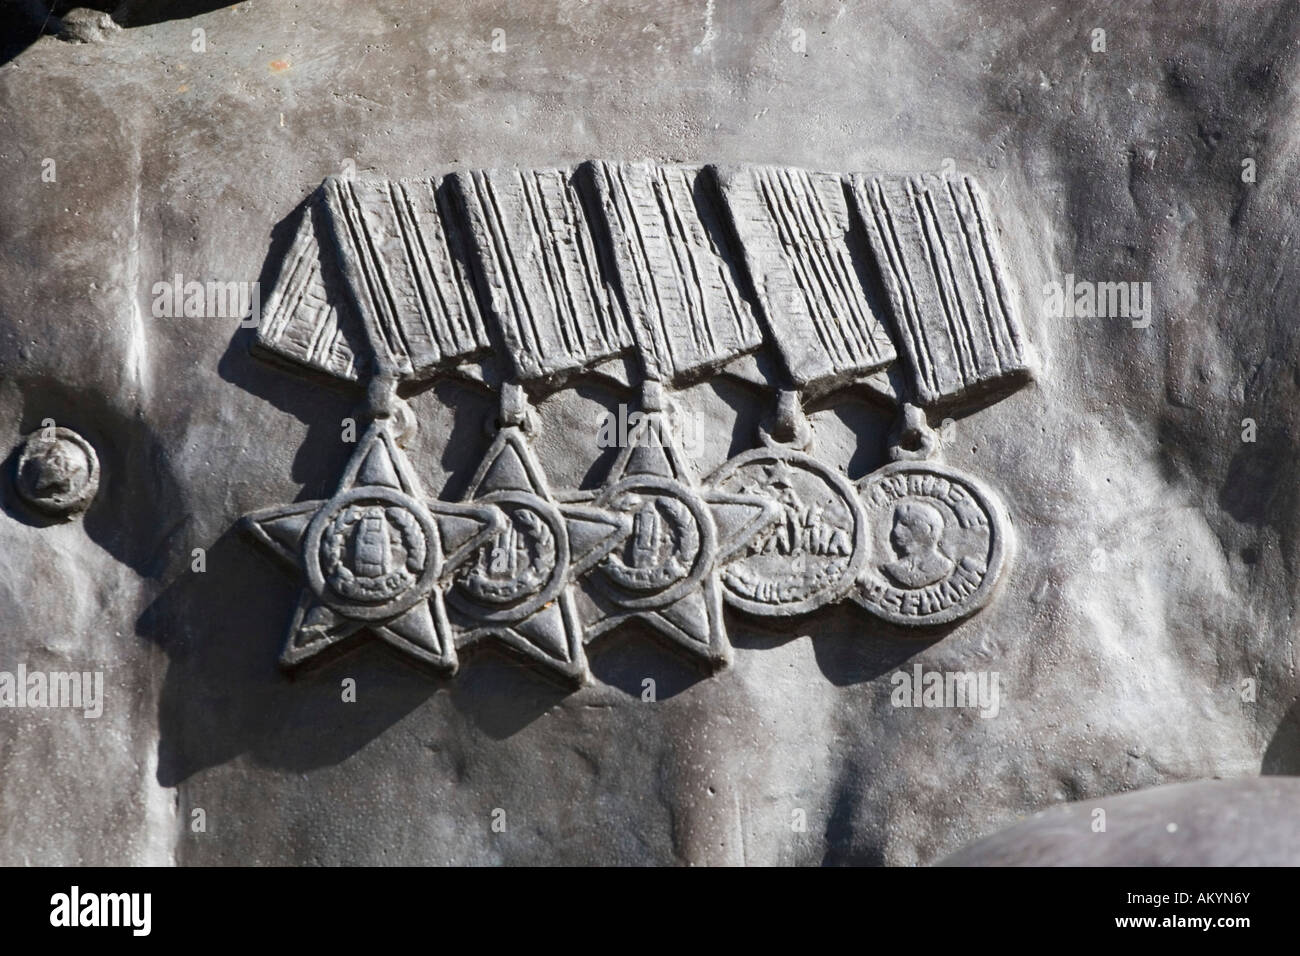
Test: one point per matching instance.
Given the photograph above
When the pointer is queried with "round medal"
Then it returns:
(937, 540)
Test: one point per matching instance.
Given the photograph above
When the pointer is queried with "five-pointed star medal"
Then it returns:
(666, 573)
(518, 587)
(375, 556)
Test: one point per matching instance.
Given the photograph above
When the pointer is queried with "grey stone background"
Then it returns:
(1157, 551)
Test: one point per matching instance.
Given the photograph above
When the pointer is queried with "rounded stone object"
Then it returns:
(1244, 822)
(938, 543)
(58, 472)
(808, 557)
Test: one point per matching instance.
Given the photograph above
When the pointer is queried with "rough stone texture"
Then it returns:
(936, 243)
(1206, 823)
(1157, 550)
(793, 226)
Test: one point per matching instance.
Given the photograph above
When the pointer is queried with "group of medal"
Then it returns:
(658, 277)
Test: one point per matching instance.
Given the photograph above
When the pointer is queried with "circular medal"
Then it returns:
(811, 552)
(938, 541)
(670, 547)
(523, 567)
(372, 553)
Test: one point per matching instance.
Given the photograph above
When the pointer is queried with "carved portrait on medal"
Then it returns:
(938, 540)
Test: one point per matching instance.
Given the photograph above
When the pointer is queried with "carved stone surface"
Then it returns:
(938, 540)
(373, 556)
(794, 229)
(937, 250)
(405, 267)
(518, 586)
(307, 318)
(57, 472)
(810, 554)
(1206, 823)
(679, 538)
(540, 271)
(1142, 631)
(676, 268)
(777, 531)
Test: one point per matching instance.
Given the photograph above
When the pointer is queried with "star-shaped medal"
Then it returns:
(518, 585)
(375, 556)
(665, 571)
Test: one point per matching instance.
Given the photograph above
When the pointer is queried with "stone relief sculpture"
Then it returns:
(525, 278)
(683, 433)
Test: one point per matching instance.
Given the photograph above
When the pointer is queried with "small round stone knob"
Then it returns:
(58, 472)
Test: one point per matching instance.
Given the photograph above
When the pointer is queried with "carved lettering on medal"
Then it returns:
(938, 542)
(808, 555)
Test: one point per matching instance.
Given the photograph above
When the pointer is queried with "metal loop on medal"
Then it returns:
(788, 427)
(494, 423)
(515, 412)
(383, 402)
(913, 439)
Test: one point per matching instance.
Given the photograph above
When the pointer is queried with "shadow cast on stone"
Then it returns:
(499, 694)
(224, 694)
(13, 505)
(320, 401)
(849, 645)
(861, 648)
(609, 399)
(1282, 755)
(1254, 489)
(843, 835)
(870, 428)
(137, 486)
(29, 20)
(752, 406)
(473, 408)
(634, 652)
(320, 460)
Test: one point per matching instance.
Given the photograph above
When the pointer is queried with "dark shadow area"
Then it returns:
(633, 651)
(610, 401)
(1255, 485)
(751, 406)
(320, 401)
(224, 694)
(137, 489)
(473, 410)
(320, 460)
(851, 646)
(1282, 755)
(844, 841)
(499, 693)
(23, 22)
(141, 13)
(870, 428)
